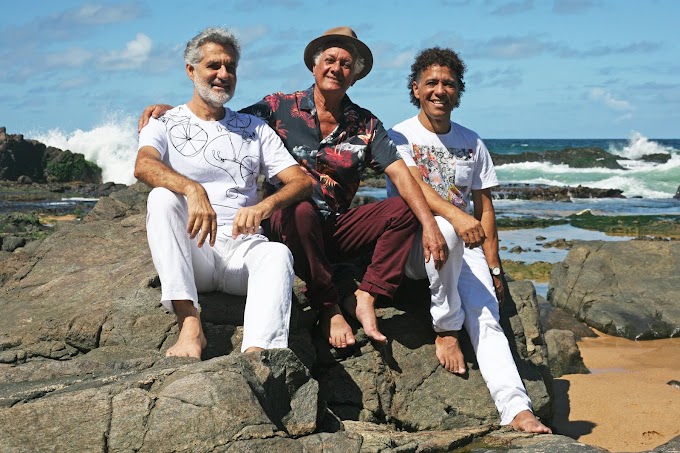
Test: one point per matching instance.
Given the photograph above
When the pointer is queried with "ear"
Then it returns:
(414, 87)
(190, 71)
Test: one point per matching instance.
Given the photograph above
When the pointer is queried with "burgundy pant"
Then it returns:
(387, 227)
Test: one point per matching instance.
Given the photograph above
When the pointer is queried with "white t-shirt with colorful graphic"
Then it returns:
(225, 156)
(454, 163)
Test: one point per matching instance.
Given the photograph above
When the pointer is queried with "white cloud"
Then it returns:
(135, 54)
(599, 94)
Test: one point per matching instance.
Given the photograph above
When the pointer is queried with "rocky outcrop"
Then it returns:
(677, 194)
(520, 191)
(573, 157)
(564, 356)
(31, 161)
(628, 289)
(81, 363)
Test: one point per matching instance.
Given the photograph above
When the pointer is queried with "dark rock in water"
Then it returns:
(517, 249)
(525, 191)
(659, 158)
(540, 238)
(33, 160)
(559, 243)
(628, 289)
(677, 194)
(573, 157)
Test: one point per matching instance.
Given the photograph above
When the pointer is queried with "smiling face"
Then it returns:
(437, 92)
(214, 76)
(333, 70)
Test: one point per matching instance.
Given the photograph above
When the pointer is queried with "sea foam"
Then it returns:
(112, 145)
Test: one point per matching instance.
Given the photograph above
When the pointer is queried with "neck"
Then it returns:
(328, 102)
(205, 111)
(436, 125)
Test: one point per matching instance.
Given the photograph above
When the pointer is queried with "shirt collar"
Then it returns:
(307, 100)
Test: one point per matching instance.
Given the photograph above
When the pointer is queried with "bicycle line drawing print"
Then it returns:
(225, 151)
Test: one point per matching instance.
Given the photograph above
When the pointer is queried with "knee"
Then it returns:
(162, 200)
(301, 218)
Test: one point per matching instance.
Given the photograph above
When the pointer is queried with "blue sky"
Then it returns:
(536, 68)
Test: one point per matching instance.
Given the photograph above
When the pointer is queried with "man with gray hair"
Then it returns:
(203, 161)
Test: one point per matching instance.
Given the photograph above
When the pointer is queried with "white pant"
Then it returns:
(477, 296)
(249, 265)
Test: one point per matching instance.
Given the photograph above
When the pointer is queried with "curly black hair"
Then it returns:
(440, 57)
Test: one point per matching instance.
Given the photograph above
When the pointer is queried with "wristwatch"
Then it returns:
(495, 271)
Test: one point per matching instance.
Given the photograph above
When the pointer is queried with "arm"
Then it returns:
(296, 187)
(466, 226)
(154, 111)
(485, 213)
(202, 218)
(434, 243)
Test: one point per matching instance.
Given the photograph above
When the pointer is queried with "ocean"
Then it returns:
(648, 187)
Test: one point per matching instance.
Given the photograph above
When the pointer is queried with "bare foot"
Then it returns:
(253, 349)
(527, 422)
(361, 307)
(191, 340)
(447, 348)
(335, 328)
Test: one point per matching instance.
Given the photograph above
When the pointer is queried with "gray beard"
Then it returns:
(211, 98)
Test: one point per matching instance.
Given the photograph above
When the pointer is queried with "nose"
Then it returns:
(439, 89)
(222, 73)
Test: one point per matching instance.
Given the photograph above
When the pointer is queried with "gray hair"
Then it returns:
(217, 35)
(357, 59)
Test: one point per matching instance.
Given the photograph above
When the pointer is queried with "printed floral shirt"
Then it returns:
(335, 163)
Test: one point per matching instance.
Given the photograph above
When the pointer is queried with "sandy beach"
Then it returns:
(626, 403)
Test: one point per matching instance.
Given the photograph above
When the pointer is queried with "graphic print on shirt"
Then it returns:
(447, 170)
(190, 139)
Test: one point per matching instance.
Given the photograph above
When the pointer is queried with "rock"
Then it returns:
(559, 243)
(628, 289)
(564, 356)
(588, 157)
(677, 194)
(23, 179)
(557, 318)
(11, 243)
(269, 398)
(674, 383)
(525, 191)
(33, 161)
(81, 359)
(671, 446)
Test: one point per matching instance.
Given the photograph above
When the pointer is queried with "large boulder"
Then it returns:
(81, 360)
(628, 289)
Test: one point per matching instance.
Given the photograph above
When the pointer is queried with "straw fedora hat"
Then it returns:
(340, 35)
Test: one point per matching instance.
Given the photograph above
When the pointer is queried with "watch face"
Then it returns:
(496, 271)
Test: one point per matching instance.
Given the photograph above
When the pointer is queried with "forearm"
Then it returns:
(413, 195)
(292, 192)
(487, 216)
(155, 173)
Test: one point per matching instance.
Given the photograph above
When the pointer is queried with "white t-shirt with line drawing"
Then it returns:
(225, 157)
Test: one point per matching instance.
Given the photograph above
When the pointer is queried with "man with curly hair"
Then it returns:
(452, 165)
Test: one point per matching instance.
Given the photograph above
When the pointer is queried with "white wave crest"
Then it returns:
(639, 146)
(112, 145)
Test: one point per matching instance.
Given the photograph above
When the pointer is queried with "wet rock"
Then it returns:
(573, 157)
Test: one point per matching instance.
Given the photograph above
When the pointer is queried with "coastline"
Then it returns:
(626, 403)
